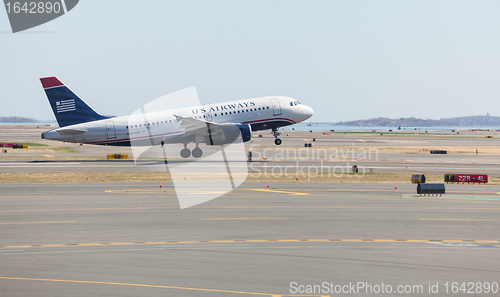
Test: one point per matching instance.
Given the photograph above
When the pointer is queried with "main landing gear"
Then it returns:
(197, 152)
(186, 153)
(277, 141)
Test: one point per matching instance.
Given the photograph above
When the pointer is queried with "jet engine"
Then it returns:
(229, 134)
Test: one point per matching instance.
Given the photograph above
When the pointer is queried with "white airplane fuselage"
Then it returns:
(261, 113)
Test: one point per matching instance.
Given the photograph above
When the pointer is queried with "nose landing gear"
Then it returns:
(277, 141)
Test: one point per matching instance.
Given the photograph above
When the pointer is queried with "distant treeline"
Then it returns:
(17, 120)
(470, 121)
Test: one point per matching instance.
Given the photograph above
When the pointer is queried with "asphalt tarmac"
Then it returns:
(131, 239)
(330, 153)
(440, 165)
(290, 239)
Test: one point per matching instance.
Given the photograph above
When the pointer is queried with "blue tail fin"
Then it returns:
(68, 108)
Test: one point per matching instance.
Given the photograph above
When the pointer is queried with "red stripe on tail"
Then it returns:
(49, 82)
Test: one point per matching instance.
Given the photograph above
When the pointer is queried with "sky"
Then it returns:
(348, 60)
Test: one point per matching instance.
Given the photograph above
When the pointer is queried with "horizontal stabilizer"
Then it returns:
(69, 132)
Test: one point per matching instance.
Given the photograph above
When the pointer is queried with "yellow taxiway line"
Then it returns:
(251, 241)
(145, 286)
(276, 191)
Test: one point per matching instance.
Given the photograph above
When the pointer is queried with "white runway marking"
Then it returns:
(40, 164)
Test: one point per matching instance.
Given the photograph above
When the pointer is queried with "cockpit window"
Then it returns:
(293, 103)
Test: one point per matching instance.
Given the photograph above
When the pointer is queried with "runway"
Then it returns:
(440, 165)
(290, 239)
(130, 239)
(469, 152)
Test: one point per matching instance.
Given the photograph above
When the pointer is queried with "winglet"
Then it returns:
(50, 82)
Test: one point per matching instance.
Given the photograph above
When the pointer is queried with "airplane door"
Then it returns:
(276, 107)
(208, 117)
(110, 129)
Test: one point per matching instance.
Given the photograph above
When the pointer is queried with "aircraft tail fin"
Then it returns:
(68, 108)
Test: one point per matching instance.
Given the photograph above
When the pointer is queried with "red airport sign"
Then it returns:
(471, 178)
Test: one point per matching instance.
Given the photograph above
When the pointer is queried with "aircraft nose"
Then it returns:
(307, 111)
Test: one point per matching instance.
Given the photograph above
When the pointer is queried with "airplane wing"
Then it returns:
(192, 126)
(69, 132)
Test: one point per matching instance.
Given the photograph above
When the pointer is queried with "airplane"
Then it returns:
(212, 124)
